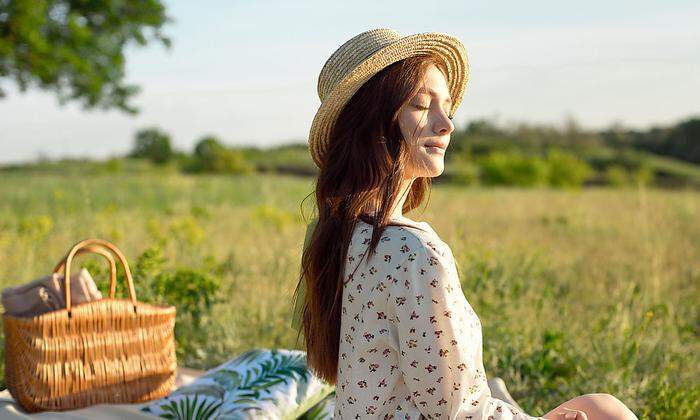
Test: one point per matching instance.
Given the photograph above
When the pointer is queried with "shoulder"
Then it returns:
(405, 242)
(426, 268)
(419, 249)
(425, 242)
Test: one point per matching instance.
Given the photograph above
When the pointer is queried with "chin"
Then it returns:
(437, 167)
(431, 166)
(435, 170)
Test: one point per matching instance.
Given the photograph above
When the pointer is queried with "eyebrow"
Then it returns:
(430, 91)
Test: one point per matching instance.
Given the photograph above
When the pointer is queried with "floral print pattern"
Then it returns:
(410, 342)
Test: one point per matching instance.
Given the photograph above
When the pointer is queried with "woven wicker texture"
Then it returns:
(103, 351)
(363, 56)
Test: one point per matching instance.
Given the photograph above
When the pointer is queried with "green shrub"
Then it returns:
(113, 165)
(616, 175)
(643, 175)
(513, 168)
(466, 173)
(463, 169)
(193, 292)
(212, 156)
(566, 170)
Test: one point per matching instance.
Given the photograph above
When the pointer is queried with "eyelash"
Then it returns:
(424, 108)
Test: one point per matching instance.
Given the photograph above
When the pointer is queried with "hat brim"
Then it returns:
(446, 47)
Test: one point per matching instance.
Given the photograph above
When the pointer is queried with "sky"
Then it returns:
(246, 71)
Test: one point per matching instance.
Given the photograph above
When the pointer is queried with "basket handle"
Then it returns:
(108, 256)
(85, 243)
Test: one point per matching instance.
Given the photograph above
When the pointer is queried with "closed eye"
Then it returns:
(447, 100)
(423, 108)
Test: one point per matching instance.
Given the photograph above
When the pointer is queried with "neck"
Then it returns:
(396, 211)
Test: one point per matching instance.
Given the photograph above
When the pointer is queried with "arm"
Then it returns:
(439, 338)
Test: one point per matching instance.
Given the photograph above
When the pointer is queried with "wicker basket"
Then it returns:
(102, 351)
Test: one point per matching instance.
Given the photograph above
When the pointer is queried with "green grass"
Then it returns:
(583, 291)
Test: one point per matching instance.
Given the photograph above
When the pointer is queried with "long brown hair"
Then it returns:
(365, 163)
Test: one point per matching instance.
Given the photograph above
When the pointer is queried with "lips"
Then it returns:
(441, 145)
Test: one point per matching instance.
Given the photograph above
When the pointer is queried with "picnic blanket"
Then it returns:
(9, 409)
(258, 384)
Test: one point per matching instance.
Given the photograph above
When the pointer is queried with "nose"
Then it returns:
(443, 125)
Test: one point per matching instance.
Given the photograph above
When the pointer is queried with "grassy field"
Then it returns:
(578, 291)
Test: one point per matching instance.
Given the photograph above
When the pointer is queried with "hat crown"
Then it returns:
(350, 55)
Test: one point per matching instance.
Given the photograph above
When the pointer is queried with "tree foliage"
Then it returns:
(76, 48)
(681, 140)
(152, 144)
(210, 155)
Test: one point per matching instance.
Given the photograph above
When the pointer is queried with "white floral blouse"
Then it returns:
(410, 343)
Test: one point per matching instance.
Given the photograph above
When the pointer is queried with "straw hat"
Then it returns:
(363, 56)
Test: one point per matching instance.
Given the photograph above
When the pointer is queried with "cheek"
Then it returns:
(411, 125)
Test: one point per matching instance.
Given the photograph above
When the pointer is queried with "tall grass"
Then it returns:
(583, 291)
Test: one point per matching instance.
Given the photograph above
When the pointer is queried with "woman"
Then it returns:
(384, 315)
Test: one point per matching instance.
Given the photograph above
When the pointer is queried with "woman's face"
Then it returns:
(426, 127)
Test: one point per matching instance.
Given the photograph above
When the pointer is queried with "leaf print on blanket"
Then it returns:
(257, 384)
(198, 408)
(258, 381)
(321, 411)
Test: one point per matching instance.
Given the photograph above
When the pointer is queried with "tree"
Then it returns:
(684, 141)
(152, 144)
(75, 48)
(212, 156)
(208, 147)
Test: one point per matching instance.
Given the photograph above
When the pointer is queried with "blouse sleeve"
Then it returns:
(439, 338)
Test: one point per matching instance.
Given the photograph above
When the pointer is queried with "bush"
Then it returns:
(616, 175)
(113, 165)
(513, 168)
(192, 292)
(466, 173)
(566, 170)
(643, 175)
(463, 169)
(212, 156)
